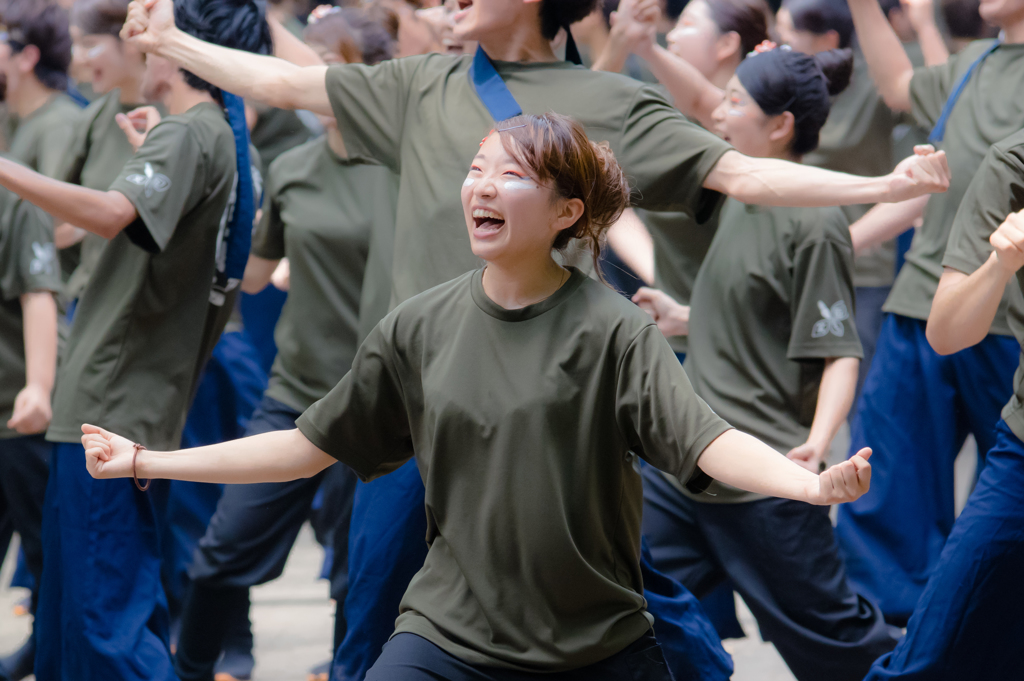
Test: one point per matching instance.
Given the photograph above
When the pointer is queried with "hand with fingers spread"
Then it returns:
(1008, 243)
(107, 455)
(32, 411)
(137, 123)
(926, 172)
(844, 482)
(149, 22)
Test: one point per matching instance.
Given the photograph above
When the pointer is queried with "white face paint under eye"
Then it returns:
(469, 182)
(736, 112)
(95, 51)
(687, 31)
(516, 185)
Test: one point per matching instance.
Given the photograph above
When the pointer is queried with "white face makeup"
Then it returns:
(520, 185)
(469, 182)
(95, 51)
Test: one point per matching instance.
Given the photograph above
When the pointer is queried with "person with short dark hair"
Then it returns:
(782, 366)
(919, 423)
(527, 392)
(135, 349)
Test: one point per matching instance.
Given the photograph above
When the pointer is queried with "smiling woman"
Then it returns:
(526, 392)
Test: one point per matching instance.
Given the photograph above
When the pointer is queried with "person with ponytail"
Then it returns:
(527, 392)
(773, 350)
(323, 210)
(141, 329)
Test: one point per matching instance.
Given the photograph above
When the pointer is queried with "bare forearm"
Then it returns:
(745, 462)
(835, 397)
(613, 56)
(279, 456)
(257, 273)
(890, 67)
(965, 306)
(102, 213)
(692, 93)
(884, 222)
(772, 182)
(632, 242)
(39, 312)
(290, 48)
(933, 45)
(271, 80)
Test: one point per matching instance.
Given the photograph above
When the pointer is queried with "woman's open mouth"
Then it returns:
(487, 222)
(464, 6)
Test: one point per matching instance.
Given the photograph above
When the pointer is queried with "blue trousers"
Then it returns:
(782, 558)
(387, 547)
(408, 657)
(915, 412)
(102, 612)
(967, 624)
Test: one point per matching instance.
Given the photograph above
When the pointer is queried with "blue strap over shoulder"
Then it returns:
(939, 131)
(491, 88)
(238, 236)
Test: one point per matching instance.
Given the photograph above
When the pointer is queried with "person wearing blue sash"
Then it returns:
(424, 117)
(960, 628)
(917, 406)
(179, 219)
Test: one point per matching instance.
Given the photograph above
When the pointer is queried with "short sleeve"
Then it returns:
(369, 103)
(931, 86)
(268, 238)
(30, 258)
(363, 421)
(665, 421)
(158, 180)
(996, 191)
(822, 304)
(667, 158)
(54, 145)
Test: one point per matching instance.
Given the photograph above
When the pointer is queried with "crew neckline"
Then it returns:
(576, 278)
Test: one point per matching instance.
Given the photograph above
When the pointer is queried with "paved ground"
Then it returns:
(293, 618)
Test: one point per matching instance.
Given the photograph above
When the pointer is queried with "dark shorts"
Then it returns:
(408, 657)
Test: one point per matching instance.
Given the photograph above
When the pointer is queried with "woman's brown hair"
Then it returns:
(751, 20)
(557, 150)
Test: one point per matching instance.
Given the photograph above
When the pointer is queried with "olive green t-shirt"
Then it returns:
(996, 191)
(857, 139)
(421, 117)
(41, 140)
(139, 326)
(94, 159)
(774, 298)
(320, 211)
(524, 424)
(276, 131)
(680, 245)
(28, 263)
(990, 109)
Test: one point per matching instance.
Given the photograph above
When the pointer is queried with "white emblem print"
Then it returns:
(831, 321)
(45, 255)
(152, 181)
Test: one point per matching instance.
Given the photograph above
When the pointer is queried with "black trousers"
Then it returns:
(247, 543)
(782, 558)
(24, 469)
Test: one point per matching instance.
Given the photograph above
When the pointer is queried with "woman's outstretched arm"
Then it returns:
(279, 83)
(271, 457)
(743, 461)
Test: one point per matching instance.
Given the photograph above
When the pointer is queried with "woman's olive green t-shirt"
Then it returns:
(773, 300)
(526, 425)
(320, 212)
(996, 191)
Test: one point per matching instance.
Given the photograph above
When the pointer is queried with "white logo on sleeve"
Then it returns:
(152, 181)
(831, 321)
(44, 257)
